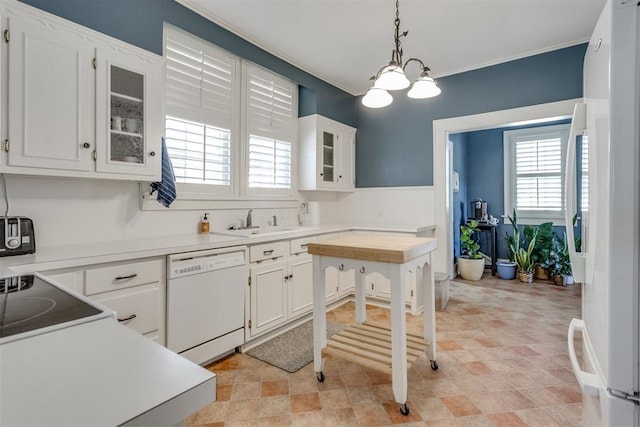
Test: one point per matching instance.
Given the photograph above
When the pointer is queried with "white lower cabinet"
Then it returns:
(268, 293)
(134, 290)
(281, 289)
(300, 285)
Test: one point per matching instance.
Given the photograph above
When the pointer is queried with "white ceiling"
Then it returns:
(344, 42)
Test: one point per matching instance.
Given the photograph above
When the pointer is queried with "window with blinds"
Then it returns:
(271, 114)
(202, 105)
(534, 168)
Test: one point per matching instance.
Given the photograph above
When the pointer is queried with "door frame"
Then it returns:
(443, 256)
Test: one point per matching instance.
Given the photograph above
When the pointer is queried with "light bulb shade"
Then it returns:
(424, 87)
(392, 78)
(376, 98)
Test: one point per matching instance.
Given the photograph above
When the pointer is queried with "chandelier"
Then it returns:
(392, 77)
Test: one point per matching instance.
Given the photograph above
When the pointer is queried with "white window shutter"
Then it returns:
(271, 114)
(201, 102)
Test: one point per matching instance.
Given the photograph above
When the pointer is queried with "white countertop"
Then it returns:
(55, 257)
(115, 377)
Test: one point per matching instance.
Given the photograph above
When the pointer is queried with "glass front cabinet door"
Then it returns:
(129, 114)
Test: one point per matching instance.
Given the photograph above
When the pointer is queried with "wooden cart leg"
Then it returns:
(398, 340)
(429, 313)
(319, 317)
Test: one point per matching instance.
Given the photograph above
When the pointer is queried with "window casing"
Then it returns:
(230, 125)
(534, 173)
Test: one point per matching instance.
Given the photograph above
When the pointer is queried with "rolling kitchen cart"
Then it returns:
(386, 350)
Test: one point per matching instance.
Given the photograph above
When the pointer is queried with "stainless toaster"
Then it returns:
(17, 236)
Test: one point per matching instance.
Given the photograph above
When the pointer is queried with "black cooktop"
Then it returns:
(28, 303)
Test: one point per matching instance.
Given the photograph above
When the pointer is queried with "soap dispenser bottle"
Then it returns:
(204, 224)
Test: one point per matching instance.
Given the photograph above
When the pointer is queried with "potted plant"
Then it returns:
(507, 269)
(470, 265)
(522, 257)
(561, 264)
(541, 255)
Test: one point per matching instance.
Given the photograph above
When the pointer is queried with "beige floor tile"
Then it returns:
(502, 357)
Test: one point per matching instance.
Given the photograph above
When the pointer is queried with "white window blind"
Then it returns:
(534, 168)
(271, 117)
(200, 154)
(201, 103)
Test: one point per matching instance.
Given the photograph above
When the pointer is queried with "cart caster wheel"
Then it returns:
(434, 365)
(320, 377)
(404, 409)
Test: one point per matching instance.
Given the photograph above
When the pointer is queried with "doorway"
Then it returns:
(444, 256)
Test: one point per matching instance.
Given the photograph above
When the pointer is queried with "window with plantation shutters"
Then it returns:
(270, 126)
(534, 172)
(202, 109)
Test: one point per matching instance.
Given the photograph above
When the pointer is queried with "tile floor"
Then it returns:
(502, 352)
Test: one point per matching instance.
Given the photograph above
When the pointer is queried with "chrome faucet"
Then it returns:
(275, 221)
(249, 219)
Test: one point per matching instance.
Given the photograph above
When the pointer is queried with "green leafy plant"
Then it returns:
(513, 240)
(561, 264)
(467, 242)
(522, 257)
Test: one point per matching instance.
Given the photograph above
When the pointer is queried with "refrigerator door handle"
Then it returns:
(587, 381)
(578, 125)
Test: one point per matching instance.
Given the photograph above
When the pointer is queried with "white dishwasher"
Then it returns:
(205, 302)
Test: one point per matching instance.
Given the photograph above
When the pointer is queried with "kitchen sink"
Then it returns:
(258, 231)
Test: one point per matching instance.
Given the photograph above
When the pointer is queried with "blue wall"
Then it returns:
(481, 163)
(140, 23)
(395, 144)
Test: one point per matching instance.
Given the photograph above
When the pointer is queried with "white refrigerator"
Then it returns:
(608, 124)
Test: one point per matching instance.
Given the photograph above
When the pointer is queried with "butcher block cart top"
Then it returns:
(387, 350)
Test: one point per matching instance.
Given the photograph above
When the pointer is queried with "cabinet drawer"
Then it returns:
(140, 306)
(268, 251)
(109, 278)
(298, 246)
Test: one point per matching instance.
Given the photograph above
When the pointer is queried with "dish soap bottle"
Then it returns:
(204, 224)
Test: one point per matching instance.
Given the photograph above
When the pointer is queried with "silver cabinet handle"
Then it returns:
(86, 145)
(152, 153)
(304, 246)
(130, 276)
(341, 267)
(269, 252)
(133, 316)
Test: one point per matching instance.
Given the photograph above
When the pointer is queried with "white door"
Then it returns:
(128, 113)
(300, 283)
(268, 296)
(51, 114)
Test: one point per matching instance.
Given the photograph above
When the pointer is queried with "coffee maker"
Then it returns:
(478, 210)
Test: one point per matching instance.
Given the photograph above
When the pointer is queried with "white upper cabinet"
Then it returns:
(128, 137)
(79, 103)
(327, 154)
(51, 97)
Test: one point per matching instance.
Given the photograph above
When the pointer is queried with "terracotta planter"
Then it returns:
(470, 269)
(525, 277)
(541, 273)
(559, 280)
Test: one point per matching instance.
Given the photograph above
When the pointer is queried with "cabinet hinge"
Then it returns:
(250, 324)
(7, 36)
(95, 155)
(94, 63)
(249, 280)
(6, 145)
